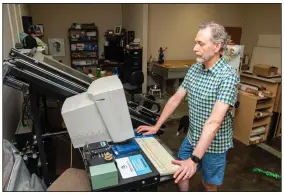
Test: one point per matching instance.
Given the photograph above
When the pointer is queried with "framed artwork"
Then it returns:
(56, 46)
(117, 30)
(37, 29)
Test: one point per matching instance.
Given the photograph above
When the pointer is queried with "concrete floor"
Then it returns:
(240, 160)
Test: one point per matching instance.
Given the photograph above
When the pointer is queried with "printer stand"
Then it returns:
(35, 102)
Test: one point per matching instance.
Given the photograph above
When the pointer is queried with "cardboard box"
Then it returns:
(265, 70)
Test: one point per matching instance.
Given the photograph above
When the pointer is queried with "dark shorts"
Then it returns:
(212, 165)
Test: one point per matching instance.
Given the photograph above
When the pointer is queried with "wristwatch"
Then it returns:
(195, 159)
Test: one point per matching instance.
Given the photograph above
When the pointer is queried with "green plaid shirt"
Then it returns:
(205, 87)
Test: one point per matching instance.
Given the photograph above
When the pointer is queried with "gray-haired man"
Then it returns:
(211, 87)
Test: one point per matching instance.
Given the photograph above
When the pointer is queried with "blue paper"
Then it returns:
(125, 148)
(139, 164)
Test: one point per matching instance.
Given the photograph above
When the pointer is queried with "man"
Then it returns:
(211, 87)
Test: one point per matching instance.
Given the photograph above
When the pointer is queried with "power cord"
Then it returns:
(71, 159)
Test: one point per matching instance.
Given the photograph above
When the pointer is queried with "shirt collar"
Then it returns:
(215, 68)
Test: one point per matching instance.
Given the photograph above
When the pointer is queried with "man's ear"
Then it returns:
(218, 47)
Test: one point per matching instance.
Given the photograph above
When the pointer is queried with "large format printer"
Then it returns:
(45, 77)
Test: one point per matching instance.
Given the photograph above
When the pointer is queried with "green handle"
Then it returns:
(267, 173)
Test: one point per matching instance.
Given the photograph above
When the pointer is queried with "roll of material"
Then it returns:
(258, 131)
(258, 114)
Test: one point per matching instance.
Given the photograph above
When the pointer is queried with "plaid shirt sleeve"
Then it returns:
(228, 90)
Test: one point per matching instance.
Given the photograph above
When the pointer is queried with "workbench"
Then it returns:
(171, 69)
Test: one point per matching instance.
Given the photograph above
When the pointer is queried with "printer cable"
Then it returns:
(71, 155)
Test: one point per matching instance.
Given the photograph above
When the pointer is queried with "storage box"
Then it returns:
(103, 175)
(265, 70)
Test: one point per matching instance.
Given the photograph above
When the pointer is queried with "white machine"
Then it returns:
(233, 55)
(100, 114)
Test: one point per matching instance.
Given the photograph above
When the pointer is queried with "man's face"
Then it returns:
(204, 48)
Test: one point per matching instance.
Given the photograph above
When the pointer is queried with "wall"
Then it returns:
(132, 19)
(145, 45)
(7, 35)
(25, 9)
(260, 19)
(57, 18)
(175, 26)
(11, 98)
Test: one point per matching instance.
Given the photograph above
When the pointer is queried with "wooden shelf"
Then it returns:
(262, 106)
(245, 120)
(253, 96)
(263, 116)
(261, 139)
(257, 133)
(260, 122)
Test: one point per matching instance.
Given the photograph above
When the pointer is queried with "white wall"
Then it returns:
(11, 98)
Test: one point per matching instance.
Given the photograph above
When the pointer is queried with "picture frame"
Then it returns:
(117, 30)
(38, 29)
(56, 46)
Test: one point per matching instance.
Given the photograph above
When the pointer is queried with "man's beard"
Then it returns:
(204, 58)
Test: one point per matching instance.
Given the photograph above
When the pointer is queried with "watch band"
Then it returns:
(195, 159)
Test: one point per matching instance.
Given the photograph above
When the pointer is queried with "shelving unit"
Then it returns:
(248, 127)
(114, 47)
(84, 47)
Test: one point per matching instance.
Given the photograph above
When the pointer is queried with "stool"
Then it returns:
(156, 90)
(72, 180)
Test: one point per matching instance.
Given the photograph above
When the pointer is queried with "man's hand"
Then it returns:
(186, 170)
(148, 130)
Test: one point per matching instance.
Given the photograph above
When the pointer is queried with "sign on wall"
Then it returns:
(56, 46)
